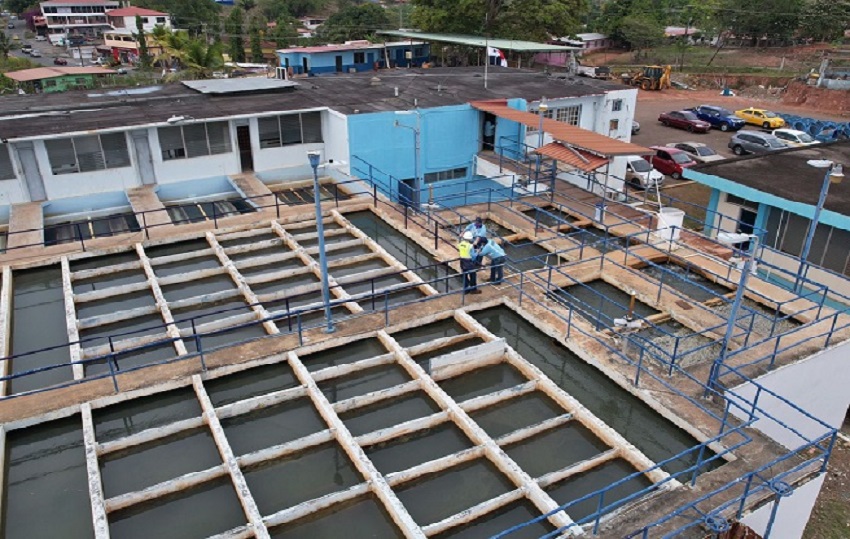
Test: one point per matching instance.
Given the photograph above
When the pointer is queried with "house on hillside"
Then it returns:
(126, 18)
(57, 79)
(353, 56)
(85, 18)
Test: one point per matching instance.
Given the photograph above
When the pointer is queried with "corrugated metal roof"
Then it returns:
(234, 86)
(568, 134)
(479, 41)
(570, 156)
(38, 73)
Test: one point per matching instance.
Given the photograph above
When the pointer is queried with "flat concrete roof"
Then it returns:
(347, 93)
(480, 41)
(785, 174)
(240, 85)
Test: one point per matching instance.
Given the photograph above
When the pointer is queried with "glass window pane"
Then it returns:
(195, 137)
(89, 154)
(290, 129)
(171, 143)
(219, 136)
(311, 122)
(269, 129)
(115, 150)
(61, 154)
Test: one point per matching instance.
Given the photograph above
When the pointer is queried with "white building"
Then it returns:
(76, 17)
(126, 18)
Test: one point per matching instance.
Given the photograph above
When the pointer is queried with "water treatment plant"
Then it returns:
(168, 369)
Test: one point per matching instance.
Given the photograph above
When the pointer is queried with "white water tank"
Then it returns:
(669, 224)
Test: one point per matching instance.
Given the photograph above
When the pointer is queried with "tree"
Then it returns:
(641, 32)
(19, 6)
(171, 45)
(233, 27)
(4, 45)
(763, 19)
(354, 22)
(825, 20)
(256, 43)
(196, 16)
(285, 32)
(144, 54)
(529, 19)
(247, 5)
(200, 59)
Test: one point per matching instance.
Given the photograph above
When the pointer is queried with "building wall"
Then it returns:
(792, 514)
(84, 183)
(177, 170)
(325, 62)
(335, 134)
(450, 134)
(64, 84)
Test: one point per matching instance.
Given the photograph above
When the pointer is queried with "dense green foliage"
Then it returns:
(144, 55)
(354, 22)
(196, 16)
(233, 27)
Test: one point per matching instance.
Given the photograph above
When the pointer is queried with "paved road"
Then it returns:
(48, 51)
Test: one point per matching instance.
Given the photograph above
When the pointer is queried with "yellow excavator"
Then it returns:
(651, 78)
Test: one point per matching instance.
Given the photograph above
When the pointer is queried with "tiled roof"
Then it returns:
(579, 159)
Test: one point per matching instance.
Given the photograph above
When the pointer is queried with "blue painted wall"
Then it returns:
(510, 134)
(319, 63)
(449, 139)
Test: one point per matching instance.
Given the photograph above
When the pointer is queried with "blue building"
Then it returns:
(776, 194)
(353, 56)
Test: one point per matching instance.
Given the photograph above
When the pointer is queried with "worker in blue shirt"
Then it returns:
(468, 263)
(496, 254)
(477, 228)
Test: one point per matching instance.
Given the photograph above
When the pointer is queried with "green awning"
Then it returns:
(478, 41)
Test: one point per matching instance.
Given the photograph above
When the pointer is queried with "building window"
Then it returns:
(787, 231)
(359, 57)
(85, 154)
(613, 125)
(569, 115)
(443, 175)
(548, 114)
(617, 105)
(277, 131)
(49, 83)
(417, 52)
(743, 202)
(7, 170)
(195, 140)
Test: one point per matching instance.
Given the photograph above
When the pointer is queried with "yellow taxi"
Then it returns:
(760, 117)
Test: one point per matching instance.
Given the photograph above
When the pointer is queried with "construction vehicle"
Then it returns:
(650, 78)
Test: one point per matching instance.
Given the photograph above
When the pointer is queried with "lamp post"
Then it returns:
(417, 133)
(733, 313)
(320, 230)
(834, 174)
(541, 109)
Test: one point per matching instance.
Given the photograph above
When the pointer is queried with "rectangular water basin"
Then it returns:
(482, 381)
(601, 302)
(685, 280)
(134, 416)
(372, 521)
(549, 216)
(387, 413)
(273, 425)
(417, 448)
(343, 355)
(516, 413)
(363, 382)
(250, 383)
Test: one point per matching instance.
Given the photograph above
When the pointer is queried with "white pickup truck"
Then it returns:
(594, 72)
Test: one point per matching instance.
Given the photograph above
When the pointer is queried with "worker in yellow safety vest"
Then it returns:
(468, 264)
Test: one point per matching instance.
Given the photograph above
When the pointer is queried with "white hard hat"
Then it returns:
(467, 235)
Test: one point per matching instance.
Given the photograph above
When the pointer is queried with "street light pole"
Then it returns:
(320, 230)
(834, 174)
(541, 108)
(417, 149)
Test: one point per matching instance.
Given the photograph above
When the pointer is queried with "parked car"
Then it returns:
(26, 48)
(697, 151)
(60, 61)
(121, 70)
(639, 173)
(744, 142)
(635, 127)
(35, 53)
(761, 117)
(684, 119)
(719, 118)
(10, 26)
(40, 38)
(670, 160)
(792, 137)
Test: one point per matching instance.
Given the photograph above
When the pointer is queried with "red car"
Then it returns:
(670, 160)
(684, 119)
(60, 61)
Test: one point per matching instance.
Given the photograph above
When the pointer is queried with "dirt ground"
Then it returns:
(831, 515)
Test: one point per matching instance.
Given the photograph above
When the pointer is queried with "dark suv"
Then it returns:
(719, 118)
(745, 142)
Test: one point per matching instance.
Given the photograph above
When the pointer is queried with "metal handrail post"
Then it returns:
(80, 235)
(320, 231)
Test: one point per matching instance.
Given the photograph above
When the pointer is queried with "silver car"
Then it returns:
(745, 142)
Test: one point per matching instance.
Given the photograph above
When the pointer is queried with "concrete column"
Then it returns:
(5, 329)
(74, 348)
(98, 503)
(255, 519)
(172, 330)
(33, 180)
